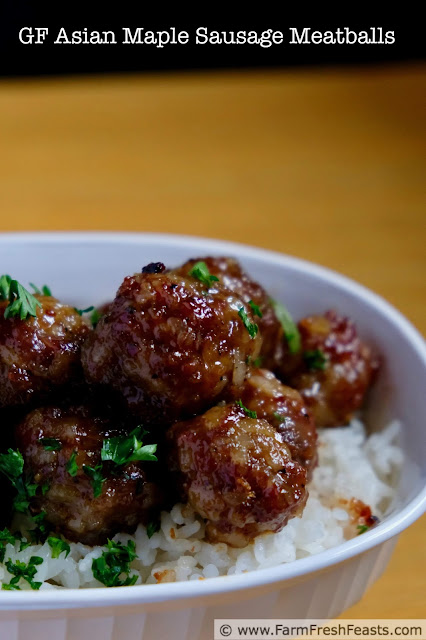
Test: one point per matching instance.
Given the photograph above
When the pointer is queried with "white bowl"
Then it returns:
(85, 269)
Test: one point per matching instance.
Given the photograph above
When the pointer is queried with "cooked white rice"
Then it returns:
(351, 466)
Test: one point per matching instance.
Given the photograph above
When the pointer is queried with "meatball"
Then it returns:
(286, 411)
(39, 352)
(236, 472)
(171, 347)
(333, 370)
(72, 506)
(232, 276)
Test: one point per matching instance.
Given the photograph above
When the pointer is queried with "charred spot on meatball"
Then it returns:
(39, 353)
(58, 447)
(237, 473)
(333, 369)
(234, 278)
(285, 409)
(154, 267)
(171, 347)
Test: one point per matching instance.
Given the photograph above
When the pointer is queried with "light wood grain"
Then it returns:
(325, 165)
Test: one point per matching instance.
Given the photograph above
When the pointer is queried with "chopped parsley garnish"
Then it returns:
(95, 316)
(257, 362)
(201, 272)
(152, 527)
(96, 478)
(22, 571)
(81, 311)
(12, 466)
(50, 444)
(124, 449)
(72, 466)
(251, 327)
(113, 567)
(44, 488)
(44, 291)
(315, 360)
(39, 532)
(58, 546)
(21, 302)
(6, 538)
(248, 412)
(255, 308)
(24, 545)
(279, 417)
(290, 329)
(362, 528)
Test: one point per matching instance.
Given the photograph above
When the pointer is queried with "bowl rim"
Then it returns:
(199, 589)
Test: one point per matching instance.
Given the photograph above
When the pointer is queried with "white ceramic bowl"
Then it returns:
(86, 269)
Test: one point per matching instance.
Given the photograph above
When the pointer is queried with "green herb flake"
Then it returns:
(201, 272)
(152, 527)
(124, 449)
(290, 329)
(45, 290)
(21, 302)
(44, 488)
(96, 478)
(251, 327)
(248, 412)
(39, 532)
(58, 546)
(95, 316)
(81, 311)
(256, 309)
(24, 545)
(279, 417)
(6, 537)
(72, 466)
(362, 528)
(315, 360)
(22, 571)
(50, 444)
(12, 464)
(113, 567)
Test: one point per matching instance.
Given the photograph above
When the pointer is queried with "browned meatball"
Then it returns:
(230, 273)
(169, 346)
(236, 472)
(127, 496)
(333, 369)
(285, 410)
(39, 352)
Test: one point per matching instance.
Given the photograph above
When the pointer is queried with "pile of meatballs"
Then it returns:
(209, 374)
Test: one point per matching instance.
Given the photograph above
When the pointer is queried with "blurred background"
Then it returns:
(314, 151)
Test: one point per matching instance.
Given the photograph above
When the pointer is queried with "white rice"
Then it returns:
(351, 466)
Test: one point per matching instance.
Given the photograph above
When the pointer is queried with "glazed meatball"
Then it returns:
(286, 411)
(333, 369)
(127, 495)
(236, 472)
(232, 276)
(39, 353)
(170, 345)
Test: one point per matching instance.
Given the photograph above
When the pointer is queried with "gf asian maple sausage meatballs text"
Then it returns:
(232, 276)
(39, 353)
(127, 495)
(286, 411)
(169, 346)
(236, 472)
(333, 370)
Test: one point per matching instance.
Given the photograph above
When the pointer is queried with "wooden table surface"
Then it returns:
(326, 165)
